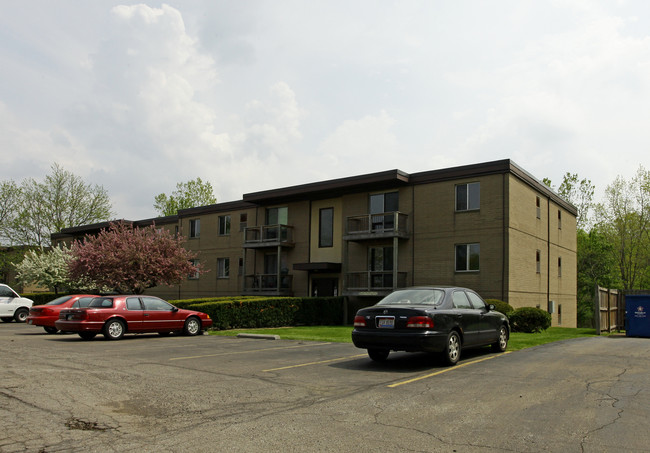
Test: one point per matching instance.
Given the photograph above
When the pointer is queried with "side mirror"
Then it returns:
(174, 309)
(491, 307)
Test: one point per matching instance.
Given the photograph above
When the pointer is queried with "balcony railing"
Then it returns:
(268, 284)
(375, 225)
(268, 235)
(374, 281)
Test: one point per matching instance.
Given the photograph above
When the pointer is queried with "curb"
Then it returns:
(258, 336)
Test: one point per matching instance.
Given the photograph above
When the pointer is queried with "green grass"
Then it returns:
(341, 334)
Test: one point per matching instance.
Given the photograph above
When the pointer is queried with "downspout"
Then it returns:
(548, 251)
(506, 246)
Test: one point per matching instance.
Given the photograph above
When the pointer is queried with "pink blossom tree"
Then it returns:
(130, 260)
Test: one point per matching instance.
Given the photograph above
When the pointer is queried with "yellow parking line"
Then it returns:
(247, 352)
(409, 381)
(315, 363)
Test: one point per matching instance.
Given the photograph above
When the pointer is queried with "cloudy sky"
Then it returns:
(253, 95)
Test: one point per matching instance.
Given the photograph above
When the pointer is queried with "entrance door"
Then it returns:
(325, 287)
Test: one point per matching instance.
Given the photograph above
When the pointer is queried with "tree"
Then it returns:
(63, 200)
(9, 201)
(579, 193)
(130, 260)
(47, 269)
(187, 195)
(625, 220)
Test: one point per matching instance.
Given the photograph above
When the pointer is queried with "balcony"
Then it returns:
(268, 285)
(268, 236)
(373, 283)
(374, 226)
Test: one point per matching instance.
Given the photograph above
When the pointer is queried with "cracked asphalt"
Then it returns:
(170, 394)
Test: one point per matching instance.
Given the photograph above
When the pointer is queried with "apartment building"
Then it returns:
(491, 226)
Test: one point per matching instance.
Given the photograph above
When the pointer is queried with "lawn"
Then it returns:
(341, 334)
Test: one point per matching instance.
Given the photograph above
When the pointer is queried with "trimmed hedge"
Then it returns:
(42, 298)
(501, 306)
(256, 312)
(529, 320)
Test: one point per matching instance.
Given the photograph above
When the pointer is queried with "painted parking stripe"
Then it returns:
(316, 363)
(446, 370)
(248, 352)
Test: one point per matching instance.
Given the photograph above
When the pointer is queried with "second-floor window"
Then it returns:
(195, 228)
(194, 275)
(223, 267)
(277, 216)
(326, 227)
(224, 225)
(468, 257)
(382, 207)
(468, 196)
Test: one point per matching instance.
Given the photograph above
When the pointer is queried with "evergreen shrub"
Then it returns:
(529, 320)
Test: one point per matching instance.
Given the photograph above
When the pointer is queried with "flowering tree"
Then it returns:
(130, 260)
(48, 269)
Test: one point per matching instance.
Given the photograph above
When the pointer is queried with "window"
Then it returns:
(223, 267)
(133, 303)
(559, 219)
(539, 208)
(326, 227)
(381, 266)
(224, 225)
(194, 275)
(559, 267)
(240, 271)
(195, 228)
(467, 257)
(277, 216)
(243, 221)
(382, 207)
(477, 302)
(155, 304)
(538, 261)
(460, 300)
(468, 196)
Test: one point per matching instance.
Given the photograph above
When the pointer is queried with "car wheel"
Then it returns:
(452, 348)
(192, 326)
(378, 355)
(502, 344)
(7, 319)
(49, 329)
(113, 329)
(87, 335)
(21, 315)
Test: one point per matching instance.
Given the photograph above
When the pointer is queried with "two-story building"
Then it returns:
(492, 227)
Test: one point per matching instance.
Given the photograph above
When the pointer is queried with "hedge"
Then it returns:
(501, 306)
(529, 320)
(256, 312)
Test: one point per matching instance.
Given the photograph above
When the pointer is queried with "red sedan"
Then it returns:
(113, 316)
(46, 315)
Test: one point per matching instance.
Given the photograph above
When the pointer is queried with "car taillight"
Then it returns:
(420, 322)
(359, 321)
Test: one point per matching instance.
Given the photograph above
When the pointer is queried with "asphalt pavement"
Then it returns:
(59, 393)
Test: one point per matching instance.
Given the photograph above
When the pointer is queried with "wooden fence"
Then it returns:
(610, 310)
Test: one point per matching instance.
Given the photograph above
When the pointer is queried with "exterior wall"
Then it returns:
(332, 254)
(438, 228)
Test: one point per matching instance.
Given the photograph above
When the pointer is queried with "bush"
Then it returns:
(529, 320)
(256, 312)
(501, 306)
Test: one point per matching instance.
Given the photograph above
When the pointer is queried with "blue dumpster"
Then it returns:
(637, 308)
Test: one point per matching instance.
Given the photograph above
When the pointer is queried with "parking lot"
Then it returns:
(168, 394)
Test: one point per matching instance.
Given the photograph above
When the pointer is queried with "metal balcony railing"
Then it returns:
(268, 234)
(374, 281)
(394, 223)
(268, 283)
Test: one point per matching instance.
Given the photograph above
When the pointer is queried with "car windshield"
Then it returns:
(414, 297)
(59, 300)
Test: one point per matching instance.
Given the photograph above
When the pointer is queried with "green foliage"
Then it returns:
(46, 269)
(39, 209)
(501, 306)
(256, 312)
(529, 320)
(187, 195)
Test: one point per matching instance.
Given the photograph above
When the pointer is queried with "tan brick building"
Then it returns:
(491, 227)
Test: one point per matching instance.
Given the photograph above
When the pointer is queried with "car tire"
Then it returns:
(87, 335)
(21, 315)
(113, 329)
(378, 355)
(502, 343)
(50, 330)
(7, 319)
(192, 326)
(453, 347)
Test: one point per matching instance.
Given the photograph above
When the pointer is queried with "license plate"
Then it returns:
(386, 323)
(69, 317)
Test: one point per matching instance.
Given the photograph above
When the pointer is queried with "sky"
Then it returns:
(253, 95)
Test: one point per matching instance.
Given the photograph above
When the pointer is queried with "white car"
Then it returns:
(12, 306)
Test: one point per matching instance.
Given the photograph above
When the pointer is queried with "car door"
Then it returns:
(7, 305)
(160, 315)
(134, 314)
(469, 317)
(488, 331)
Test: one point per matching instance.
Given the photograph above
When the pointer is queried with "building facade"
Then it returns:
(491, 227)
